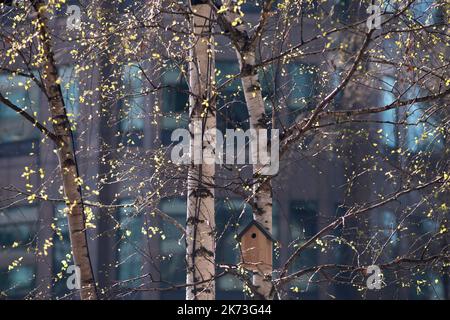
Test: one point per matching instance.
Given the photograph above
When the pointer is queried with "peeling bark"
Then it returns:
(245, 47)
(200, 223)
(262, 188)
(67, 160)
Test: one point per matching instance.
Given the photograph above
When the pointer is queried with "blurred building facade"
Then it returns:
(308, 197)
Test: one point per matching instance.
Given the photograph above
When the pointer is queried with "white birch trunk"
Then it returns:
(200, 224)
(262, 189)
(67, 162)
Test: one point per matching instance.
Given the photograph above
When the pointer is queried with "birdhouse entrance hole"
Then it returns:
(256, 248)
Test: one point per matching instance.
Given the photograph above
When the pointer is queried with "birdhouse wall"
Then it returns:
(256, 250)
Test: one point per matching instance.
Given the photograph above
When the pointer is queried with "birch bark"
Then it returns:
(231, 22)
(262, 187)
(200, 224)
(67, 161)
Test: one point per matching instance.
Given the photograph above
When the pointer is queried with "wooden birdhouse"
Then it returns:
(256, 247)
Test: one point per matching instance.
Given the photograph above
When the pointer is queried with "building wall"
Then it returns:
(308, 195)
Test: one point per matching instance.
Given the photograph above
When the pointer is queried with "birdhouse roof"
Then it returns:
(259, 226)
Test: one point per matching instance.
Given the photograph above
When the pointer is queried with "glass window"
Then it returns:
(427, 285)
(414, 114)
(434, 289)
(232, 110)
(425, 12)
(268, 79)
(303, 225)
(429, 226)
(304, 86)
(342, 9)
(389, 6)
(18, 229)
(62, 252)
(25, 94)
(130, 244)
(226, 70)
(70, 91)
(421, 133)
(303, 220)
(276, 216)
(173, 248)
(428, 282)
(389, 224)
(71, 94)
(18, 282)
(388, 128)
(388, 235)
(132, 112)
(439, 13)
(175, 104)
(18, 226)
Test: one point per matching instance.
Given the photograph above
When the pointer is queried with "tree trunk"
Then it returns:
(262, 188)
(67, 161)
(200, 224)
(245, 47)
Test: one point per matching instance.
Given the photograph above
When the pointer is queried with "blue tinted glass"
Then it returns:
(70, 91)
(388, 117)
(424, 11)
(232, 110)
(175, 103)
(18, 282)
(303, 225)
(172, 247)
(303, 85)
(24, 94)
(130, 243)
(422, 131)
(62, 252)
(18, 230)
(225, 71)
(133, 106)
(18, 225)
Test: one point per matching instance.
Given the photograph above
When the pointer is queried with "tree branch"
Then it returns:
(30, 118)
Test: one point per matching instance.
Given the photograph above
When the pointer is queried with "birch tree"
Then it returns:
(364, 154)
(67, 160)
(245, 46)
(62, 136)
(200, 223)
